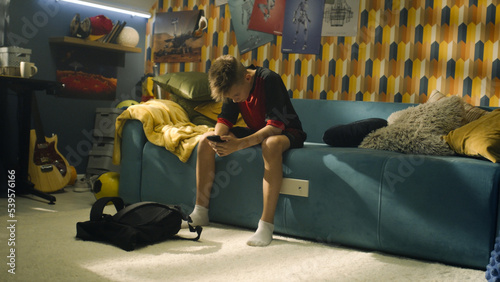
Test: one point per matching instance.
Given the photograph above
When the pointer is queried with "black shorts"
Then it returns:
(297, 137)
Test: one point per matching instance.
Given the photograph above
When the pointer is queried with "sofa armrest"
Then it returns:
(133, 141)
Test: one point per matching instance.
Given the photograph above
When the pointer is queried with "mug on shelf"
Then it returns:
(28, 69)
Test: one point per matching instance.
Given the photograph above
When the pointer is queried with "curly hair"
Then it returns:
(225, 72)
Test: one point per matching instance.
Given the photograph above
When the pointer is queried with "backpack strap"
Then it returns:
(196, 229)
(130, 208)
(98, 207)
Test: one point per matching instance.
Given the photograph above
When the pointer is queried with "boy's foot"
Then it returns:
(199, 216)
(263, 236)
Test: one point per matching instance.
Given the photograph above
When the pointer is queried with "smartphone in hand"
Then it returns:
(215, 138)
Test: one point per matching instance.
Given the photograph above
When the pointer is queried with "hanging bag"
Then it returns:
(139, 224)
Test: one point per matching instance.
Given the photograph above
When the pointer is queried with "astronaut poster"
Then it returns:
(247, 39)
(341, 18)
(302, 26)
(267, 16)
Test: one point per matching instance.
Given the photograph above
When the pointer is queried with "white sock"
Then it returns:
(199, 216)
(263, 236)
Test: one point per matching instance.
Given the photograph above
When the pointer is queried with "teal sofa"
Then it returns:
(438, 208)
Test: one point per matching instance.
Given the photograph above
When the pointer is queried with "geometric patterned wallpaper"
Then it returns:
(403, 51)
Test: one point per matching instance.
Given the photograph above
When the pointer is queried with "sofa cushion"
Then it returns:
(189, 106)
(478, 138)
(188, 85)
(212, 109)
(419, 130)
(319, 115)
(209, 109)
(471, 113)
(435, 96)
(351, 135)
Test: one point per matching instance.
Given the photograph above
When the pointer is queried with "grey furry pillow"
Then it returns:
(419, 129)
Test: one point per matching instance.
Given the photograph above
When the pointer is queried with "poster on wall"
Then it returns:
(340, 18)
(267, 16)
(86, 74)
(302, 26)
(247, 39)
(174, 37)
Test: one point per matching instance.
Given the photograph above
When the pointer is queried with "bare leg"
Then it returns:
(272, 152)
(205, 171)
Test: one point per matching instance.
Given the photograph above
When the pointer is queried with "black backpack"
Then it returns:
(136, 225)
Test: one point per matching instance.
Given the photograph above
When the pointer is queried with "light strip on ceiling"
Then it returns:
(109, 8)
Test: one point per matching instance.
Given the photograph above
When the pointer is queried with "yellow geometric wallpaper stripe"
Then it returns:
(403, 51)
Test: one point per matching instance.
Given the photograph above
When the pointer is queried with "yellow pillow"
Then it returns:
(212, 110)
(209, 109)
(478, 138)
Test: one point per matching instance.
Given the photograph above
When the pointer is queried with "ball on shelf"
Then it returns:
(128, 37)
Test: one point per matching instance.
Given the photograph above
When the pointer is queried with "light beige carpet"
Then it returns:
(46, 250)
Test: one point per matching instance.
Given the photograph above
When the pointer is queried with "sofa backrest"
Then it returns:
(319, 115)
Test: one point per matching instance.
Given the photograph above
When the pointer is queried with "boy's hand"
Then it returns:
(225, 148)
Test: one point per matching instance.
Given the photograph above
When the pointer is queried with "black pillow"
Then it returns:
(351, 135)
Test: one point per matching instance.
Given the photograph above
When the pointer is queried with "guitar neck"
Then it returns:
(40, 135)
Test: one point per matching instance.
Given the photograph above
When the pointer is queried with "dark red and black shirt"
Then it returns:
(267, 104)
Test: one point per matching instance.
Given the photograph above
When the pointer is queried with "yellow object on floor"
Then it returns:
(106, 185)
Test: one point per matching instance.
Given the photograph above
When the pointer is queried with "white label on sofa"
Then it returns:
(295, 187)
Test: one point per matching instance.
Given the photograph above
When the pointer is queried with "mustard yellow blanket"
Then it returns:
(165, 124)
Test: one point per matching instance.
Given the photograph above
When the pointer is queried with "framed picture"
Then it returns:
(340, 18)
(302, 26)
(174, 37)
(247, 39)
(86, 73)
(267, 16)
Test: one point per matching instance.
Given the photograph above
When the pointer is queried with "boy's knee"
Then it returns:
(203, 142)
(272, 144)
(203, 138)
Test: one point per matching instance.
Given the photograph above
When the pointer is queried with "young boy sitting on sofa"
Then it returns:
(261, 97)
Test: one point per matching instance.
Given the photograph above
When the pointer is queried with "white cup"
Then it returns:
(28, 69)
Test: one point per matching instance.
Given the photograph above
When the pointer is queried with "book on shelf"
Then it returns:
(118, 31)
(107, 37)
